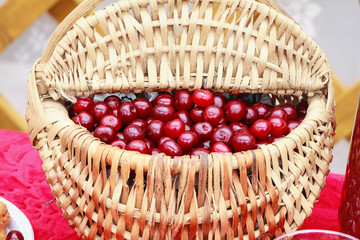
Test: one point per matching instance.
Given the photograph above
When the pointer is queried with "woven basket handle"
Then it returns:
(87, 6)
(81, 10)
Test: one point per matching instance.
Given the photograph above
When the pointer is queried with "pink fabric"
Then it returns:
(22, 182)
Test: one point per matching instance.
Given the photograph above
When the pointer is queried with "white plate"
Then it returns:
(18, 221)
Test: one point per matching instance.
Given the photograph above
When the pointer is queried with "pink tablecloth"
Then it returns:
(22, 181)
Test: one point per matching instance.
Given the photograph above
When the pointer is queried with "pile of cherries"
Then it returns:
(186, 122)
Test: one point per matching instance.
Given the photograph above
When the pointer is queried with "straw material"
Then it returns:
(229, 46)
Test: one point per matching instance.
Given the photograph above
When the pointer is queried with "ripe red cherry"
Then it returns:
(205, 143)
(183, 116)
(199, 151)
(83, 104)
(290, 111)
(187, 127)
(301, 108)
(162, 140)
(278, 126)
(203, 98)
(222, 134)
(263, 110)
(196, 114)
(274, 139)
(105, 133)
(143, 107)
(120, 135)
(112, 121)
(138, 145)
(99, 110)
(127, 113)
(149, 143)
(279, 112)
(171, 148)
(183, 101)
(238, 126)
(139, 122)
(292, 125)
(113, 101)
(213, 115)
(174, 128)
(163, 113)
(155, 151)
(260, 143)
(260, 129)
(85, 119)
(234, 110)
(155, 130)
(221, 148)
(149, 119)
(204, 130)
(243, 141)
(120, 143)
(223, 120)
(164, 99)
(133, 132)
(220, 101)
(187, 140)
(250, 115)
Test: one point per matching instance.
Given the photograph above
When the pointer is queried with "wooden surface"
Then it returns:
(10, 118)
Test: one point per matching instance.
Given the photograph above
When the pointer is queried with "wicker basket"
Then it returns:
(224, 46)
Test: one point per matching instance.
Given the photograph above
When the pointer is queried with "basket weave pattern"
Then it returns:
(229, 46)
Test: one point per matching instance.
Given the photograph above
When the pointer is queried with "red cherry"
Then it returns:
(85, 119)
(183, 101)
(127, 113)
(171, 148)
(204, 130)
(301, 108)
(120, 135)
(143, 107)
(222, 134)
(174, 128)
(205, 143)
(243, 141)
(113, 101)
(293, 124)
(155, 151)
(250, 115)
(234, 110)
(164, 99)
(260, 129)
(199, 151)
(183, 116)
(187, 127)
(133, 132)
(105, 133)
(139, 122)
(213, 115)
(138, 145)
(155, 130)
(83, 104)
(221, 148)
(162, 140)
(14, 235)
(244, 101)
(274, 139)
(278, 126)
(163, 113)
(260, 143)
(149, 119)
(203, 98)
(187, 140)
(150, 144)
(196, 114)
(220, 101)
(279, 112)
(238, 126)
(99, 110)
(112, 121)
(262, 109)
(119, 143)
(290, 111)
(223, 120)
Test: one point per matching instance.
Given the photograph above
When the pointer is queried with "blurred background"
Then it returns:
(26, 25)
